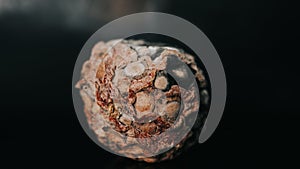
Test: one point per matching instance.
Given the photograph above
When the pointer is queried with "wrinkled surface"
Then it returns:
(125, 86)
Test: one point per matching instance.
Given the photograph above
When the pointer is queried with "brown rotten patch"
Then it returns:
(129, 99)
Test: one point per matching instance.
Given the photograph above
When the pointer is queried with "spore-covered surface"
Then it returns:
(257, 42)
(133, 89)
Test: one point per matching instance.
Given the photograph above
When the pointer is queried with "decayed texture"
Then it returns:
(128, 94)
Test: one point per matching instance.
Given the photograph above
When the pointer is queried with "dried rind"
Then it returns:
(128, 94)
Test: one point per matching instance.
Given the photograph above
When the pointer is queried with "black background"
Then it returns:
(256, 41)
